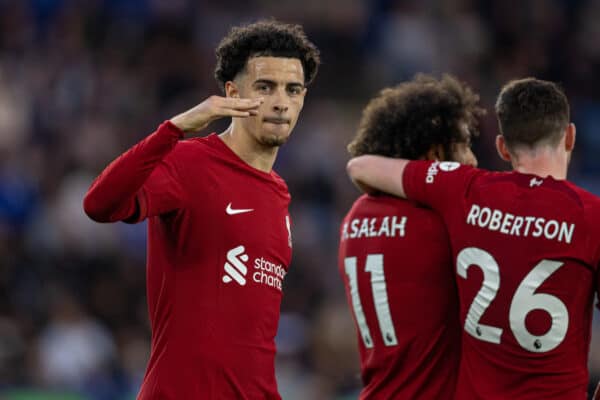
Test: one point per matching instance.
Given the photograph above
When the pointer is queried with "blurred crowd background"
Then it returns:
(81, 81)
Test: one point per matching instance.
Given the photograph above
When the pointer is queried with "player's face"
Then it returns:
(280, 82)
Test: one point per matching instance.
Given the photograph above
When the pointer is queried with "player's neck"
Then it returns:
(248, 149)
(542, 162)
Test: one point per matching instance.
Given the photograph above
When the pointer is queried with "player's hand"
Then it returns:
(213, 108)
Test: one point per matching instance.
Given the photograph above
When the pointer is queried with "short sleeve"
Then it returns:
(439, 185)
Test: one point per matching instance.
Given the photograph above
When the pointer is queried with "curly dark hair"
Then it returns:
(405, 121)
(265, 38)
(531, 111)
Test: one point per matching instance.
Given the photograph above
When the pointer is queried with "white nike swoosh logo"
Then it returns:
(233, 211)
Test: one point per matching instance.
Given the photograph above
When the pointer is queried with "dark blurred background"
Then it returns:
(81, 81)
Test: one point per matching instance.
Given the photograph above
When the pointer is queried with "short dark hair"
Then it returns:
(265, 38)
(405, 121)
(532, 111)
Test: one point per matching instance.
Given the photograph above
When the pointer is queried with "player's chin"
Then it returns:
(275, 139)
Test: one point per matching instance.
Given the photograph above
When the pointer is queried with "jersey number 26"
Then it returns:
(523, 302)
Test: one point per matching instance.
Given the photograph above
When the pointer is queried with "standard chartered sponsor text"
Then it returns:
(268, 273)
(518, 225)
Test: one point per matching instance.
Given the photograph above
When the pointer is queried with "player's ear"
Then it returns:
(570, 134)
(502, 149)
(436, 153)
(231, 89)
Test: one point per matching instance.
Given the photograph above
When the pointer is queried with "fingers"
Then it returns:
(236, 113)
(236, 107)
(238, 103)
(213, 108)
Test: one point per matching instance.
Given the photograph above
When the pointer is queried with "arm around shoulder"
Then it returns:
(376, 173)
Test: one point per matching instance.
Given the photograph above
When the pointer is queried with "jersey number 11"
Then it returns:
(374, 266)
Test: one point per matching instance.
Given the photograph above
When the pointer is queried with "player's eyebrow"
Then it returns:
(274, 83)
(265, 81)
(295, 84)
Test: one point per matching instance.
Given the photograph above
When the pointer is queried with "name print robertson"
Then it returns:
(517, 225)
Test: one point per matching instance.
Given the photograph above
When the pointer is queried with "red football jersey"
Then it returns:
(396, 265)
(526, 253)
(219, 245)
